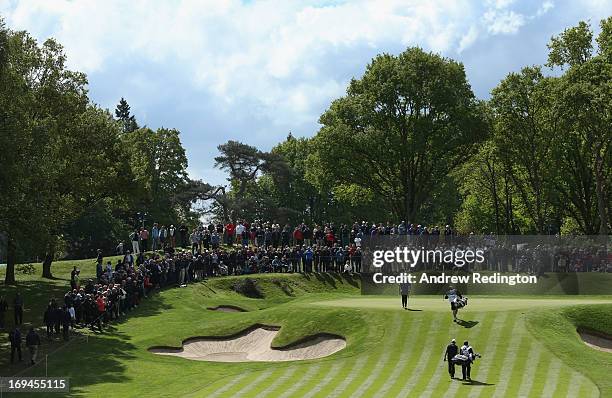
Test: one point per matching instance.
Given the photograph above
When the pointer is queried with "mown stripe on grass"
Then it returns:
(247, 387)
(319, 387)
(383, 358)
(529, 370)
(433, 369)
(405, 365)
(563, 379)
(353, 373)
(574, 385)
(495, 352)
(587, 389)
(400, 355)
(518, 343)
(301, 379)
(424, 355)
(515, 377)
(540, 373)
(278, 382)
(489, 321)
(552, 376)
(227, 385)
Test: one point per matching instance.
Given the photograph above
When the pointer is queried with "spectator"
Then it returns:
(49, 320)
(183, 232)
(135, 238)
(15, 339)
(66, 321)
(172, 236)
(3, 311)
(18, 308)
(74, 278)
(33, 342)
(144, 239)
(155, 237)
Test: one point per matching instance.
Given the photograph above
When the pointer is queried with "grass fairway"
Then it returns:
(530, 346)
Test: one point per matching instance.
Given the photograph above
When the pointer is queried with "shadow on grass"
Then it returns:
(475, 383)
(466, 324)
(101, 359)
(88, 357)
(332, 278)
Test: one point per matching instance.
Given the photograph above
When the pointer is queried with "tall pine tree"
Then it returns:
(122, 113)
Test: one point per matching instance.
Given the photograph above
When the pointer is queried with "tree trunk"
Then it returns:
(491, 167)
(9, 278)
(47, 265)
(600, 189)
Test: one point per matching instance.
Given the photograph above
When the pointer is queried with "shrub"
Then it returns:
(247, 287)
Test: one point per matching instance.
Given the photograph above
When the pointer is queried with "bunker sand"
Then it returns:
(596, 340)
(254, 344)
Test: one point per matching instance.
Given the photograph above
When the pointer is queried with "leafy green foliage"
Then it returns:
(68, 168)
(406, 124)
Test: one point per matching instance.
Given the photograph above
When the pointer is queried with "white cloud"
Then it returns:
(257, 51)
(499, 4)
(503, 22)
(468, 39)
(545, 7)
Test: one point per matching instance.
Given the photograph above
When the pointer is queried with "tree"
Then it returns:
(584, 99)
(245, 163)
(61, 155)
(405, 125)
(122, 113)
(159, 165)
(523, 130)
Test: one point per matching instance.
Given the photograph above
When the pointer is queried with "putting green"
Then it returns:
(475, 303)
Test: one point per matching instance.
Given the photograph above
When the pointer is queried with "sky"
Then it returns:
(253, 71)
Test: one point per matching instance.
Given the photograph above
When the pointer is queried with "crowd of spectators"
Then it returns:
(247, 248)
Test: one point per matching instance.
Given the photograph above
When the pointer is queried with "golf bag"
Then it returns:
(460, 359)
(460, 303)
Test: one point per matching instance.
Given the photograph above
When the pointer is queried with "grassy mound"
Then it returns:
(285, 286)
(558, 331)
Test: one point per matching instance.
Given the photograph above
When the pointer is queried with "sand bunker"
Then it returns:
(227, 308)
(596, 340)
(254, 344)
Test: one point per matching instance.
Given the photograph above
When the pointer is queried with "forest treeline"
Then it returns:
(410, 141)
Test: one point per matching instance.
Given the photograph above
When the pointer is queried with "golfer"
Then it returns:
(451, 351)
(452, 295)
(404, 290)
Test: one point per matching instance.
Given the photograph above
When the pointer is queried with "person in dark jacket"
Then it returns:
(49, 319)
(66, 321)
(3, 310)
(18, 306)
(15, 339)
(449, 354)
(33, 342)
(58, 314)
